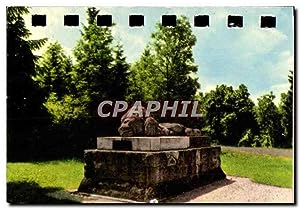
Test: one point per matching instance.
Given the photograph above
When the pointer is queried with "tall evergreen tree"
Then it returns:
(22, 95)
(24, 99)
(101, 70)
(120, 74)
(164, 69)
(53, 72)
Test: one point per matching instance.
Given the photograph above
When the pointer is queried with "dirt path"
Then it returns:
(262, 151)
(237, 190)
(231, 190)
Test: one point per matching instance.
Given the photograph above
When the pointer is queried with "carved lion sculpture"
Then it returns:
(133, 125)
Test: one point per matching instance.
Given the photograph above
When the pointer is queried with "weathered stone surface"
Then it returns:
(132, 126)
(199, 141)
(104, 143)
(170, 143)
(151, 127)
(155, 143)
(175, 128)
(143, 143)
(192, 132)
(152, 143)
(146, 175)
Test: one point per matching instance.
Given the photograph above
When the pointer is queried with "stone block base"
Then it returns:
(145, 175)
(157, 143)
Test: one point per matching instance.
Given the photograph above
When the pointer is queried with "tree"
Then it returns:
(54, 75)
(53, 72)
(229, 114)
(164, 69)
(268, 117)
(142, 78)
(22, 95)
(286, 110)
(101, 70)
(25, 115)
(120, 74)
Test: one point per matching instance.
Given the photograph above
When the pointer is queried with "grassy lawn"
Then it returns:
(61, 174)
(265, 169)
(32, 182)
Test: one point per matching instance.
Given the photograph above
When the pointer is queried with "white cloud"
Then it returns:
(255, 40)
(277, 90)
(207, 87)
(278, 72)
(285, 63)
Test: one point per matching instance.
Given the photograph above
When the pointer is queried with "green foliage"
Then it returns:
(66, 109)
(165, 67)
(228, 114)
(72, 92)
(53, 73)
(265, 169)
(286, 110)
(101, 69)
(23, 98)
(256, 141)
(268, 118)
(142, 78)
(120, 74)
(246, 139)
(55, 76)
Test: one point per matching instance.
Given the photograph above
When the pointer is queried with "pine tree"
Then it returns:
(120, 72)
(22, 95)
(101, 70)
(53, 72)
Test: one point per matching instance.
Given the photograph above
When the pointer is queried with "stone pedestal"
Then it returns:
(139, 171)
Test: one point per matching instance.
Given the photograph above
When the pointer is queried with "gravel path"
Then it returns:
(231, 190)
(262, 151)
(237, 190)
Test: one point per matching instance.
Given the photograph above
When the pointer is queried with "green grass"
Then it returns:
(265, 169)
(65, 174)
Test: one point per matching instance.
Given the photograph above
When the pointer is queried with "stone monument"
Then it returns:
(150, 161)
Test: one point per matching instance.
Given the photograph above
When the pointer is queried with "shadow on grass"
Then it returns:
(45, 160)
(30, 192)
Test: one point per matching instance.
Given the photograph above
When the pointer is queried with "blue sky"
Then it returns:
(259, 58)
